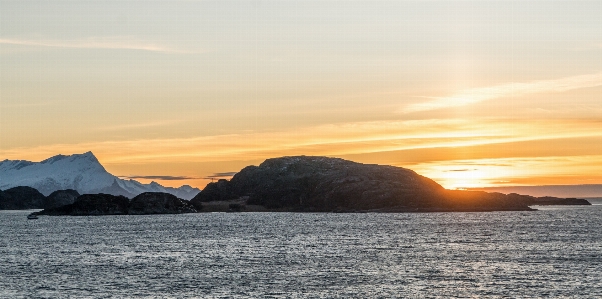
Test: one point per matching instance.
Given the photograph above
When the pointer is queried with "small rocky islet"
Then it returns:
(292, 184)
(24, 198)
(105, 204)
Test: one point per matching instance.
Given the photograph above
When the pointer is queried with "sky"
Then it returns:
(469, 93)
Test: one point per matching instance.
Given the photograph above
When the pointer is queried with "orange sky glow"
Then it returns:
(471, 94)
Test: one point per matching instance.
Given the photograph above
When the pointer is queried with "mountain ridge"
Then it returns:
(80, 172)
(577, 190)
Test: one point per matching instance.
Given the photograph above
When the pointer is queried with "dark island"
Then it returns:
(106, 204)
(21, 198)
(321, 184)
(555, 201)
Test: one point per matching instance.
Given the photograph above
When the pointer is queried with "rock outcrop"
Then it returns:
(61, 198)
(21, 198)
(322, 184)
(159, 203)
(92, 205)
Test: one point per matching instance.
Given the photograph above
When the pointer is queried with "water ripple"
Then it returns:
(549, 253)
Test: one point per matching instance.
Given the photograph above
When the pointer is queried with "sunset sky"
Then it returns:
(470, 93)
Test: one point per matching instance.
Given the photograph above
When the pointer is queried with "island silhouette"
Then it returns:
(291, 184)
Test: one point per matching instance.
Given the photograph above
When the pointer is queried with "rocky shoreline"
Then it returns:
(105, 204)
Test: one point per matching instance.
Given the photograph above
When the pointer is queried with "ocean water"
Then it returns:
(552, 253)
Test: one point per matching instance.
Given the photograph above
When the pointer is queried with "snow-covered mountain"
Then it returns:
(81, 172)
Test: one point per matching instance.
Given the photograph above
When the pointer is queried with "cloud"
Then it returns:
(29, 105)
(569, 170)
(179, 178)
(221, 175)
(323, 140)
(476, 95)
(160, 177)
(140, 125)
(113, 43)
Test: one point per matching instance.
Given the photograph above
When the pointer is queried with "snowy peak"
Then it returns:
(81, 172)
(51, 160)
(16, 164)
(80, 159)
(187, 188)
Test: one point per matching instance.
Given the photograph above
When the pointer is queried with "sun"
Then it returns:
(467, 174)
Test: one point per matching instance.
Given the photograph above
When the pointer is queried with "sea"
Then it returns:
(555, 252)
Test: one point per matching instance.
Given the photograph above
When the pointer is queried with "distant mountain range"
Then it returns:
(581, 191)
(81, 172)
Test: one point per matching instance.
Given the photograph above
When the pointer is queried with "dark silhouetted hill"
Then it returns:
(21, 198)
(321, 184)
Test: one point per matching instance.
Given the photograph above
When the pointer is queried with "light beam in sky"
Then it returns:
(476, 95)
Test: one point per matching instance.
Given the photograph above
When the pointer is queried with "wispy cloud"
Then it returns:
(140, 125)
(514, 171)
(329, 140)
(29, 105)
(476, 95)
(160, 177)
(113, 43)
(221, 175)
